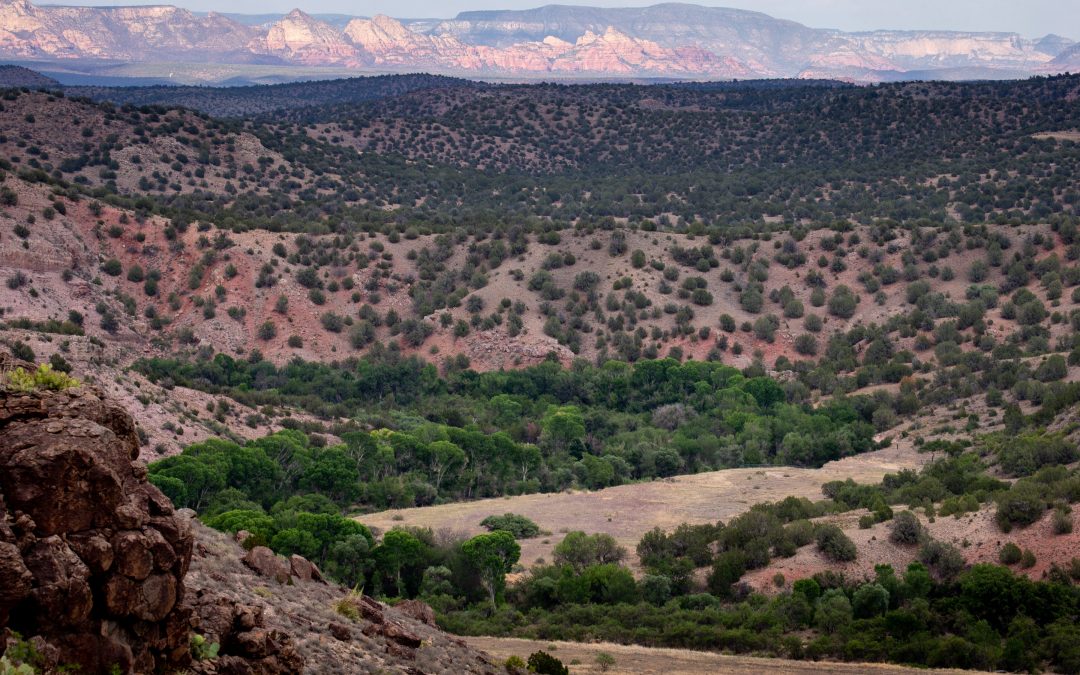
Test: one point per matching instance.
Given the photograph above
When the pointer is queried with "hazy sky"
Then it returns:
(1029, 17)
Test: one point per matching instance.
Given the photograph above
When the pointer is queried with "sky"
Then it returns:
(1031, 18)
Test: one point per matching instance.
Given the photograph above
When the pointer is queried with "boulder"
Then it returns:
(265, 562)
(340, 632)
(246, 645)
(416, 609)
(303, 569)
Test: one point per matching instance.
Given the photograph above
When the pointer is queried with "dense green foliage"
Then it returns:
(987, 619)
(470, 435)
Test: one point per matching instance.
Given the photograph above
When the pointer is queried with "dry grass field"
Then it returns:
(1058, 136)
(628, 511)
(634, 660)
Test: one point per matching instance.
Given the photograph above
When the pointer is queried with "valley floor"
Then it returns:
(628, 511)
(634, 660)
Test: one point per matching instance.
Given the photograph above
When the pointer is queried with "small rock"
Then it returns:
(418, 610)
(341, 632)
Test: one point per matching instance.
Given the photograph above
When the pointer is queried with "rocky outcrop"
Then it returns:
(400, 640)
(334, 629)
(246, 644)
(266, 563)
(92, 556)
(135, 33)
(302, 38)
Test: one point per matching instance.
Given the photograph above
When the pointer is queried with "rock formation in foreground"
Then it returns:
(92, 557)
(98, 570)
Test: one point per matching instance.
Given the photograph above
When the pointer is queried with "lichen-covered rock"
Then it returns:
(92, 556)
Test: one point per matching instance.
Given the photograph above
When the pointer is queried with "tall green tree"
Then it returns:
(492, 556)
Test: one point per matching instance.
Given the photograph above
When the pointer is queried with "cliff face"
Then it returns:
(129, 33)
(662, 40)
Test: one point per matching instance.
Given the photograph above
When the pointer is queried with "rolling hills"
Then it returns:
(777, 368)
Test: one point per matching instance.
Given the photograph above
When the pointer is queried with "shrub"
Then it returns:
(1027, 560)
(1062, 520)
(43, 378)
(843, 302)
(834, 544)
(906, 529)
(806, 344)
(945, 560)
(17, 280)
(332, 322)
(23, 351)
(267, 331)
(1022, 505)
(519, 526)
(543, 663)
(112, 267)
(1010, 554)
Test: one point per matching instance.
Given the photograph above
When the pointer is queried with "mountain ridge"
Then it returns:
(554, 41)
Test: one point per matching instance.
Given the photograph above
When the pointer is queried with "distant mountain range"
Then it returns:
(556, 41)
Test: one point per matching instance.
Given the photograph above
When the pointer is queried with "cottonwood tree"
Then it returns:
(493, 556)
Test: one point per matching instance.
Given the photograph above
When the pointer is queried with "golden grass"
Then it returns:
(1057, 136)
(628, 511)
(633, 660)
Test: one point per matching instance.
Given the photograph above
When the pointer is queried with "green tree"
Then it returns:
(443, 456)
(293, 540)
(398, 550)
(560, 426)
(870, 600)
(833, 611)
(255, 522)
(580, 550)
(202, 476)
(492, 556)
